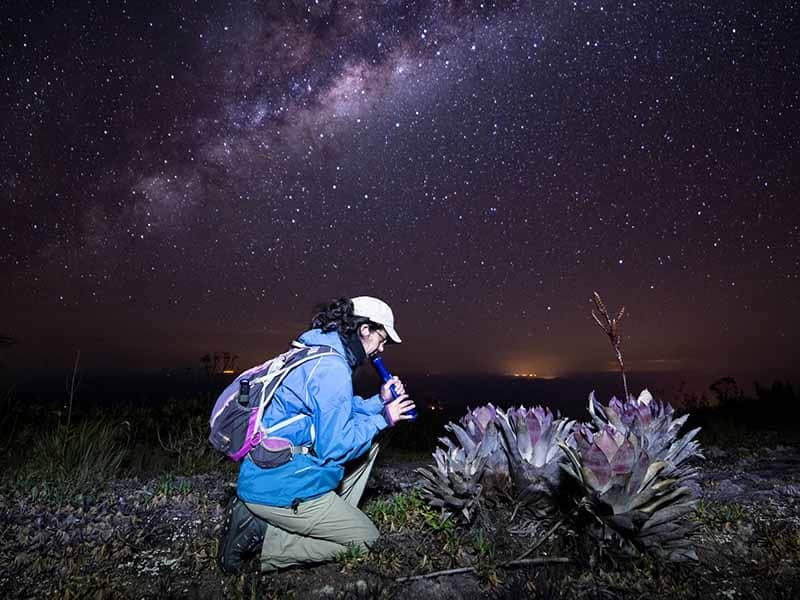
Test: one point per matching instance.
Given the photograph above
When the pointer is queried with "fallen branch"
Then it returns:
(514, 563)
(437, 574)
(538, 561)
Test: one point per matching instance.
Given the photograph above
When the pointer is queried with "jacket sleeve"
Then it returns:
(342, 433)
(368, 406)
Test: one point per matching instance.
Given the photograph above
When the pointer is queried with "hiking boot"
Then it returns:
(242, 536)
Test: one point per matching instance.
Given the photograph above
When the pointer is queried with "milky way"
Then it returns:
(188, 178)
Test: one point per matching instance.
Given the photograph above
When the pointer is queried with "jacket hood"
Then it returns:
(317, 337)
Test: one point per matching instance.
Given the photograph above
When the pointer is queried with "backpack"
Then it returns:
(236, 423)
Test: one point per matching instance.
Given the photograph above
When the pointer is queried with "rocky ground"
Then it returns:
(156, 538)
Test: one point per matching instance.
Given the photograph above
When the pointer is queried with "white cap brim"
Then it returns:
(392, 334)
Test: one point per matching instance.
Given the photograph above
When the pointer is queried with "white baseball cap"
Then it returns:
(378, 312)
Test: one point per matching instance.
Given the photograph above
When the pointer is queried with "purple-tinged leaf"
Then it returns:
(583, 438)
(534, 427)
(638, 471)
(624, 458)
(595, 461)
(644, 414)
(606, 443)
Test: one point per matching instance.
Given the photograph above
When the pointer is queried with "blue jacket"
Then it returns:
(342, 426)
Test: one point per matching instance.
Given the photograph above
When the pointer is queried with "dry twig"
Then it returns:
(514, 563)
(72, 385)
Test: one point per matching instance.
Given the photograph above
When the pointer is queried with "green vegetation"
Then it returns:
(719, 514)
(76, 458)
(352, 557)
(60, 454)
(169, 486)
(405, 511)
(482, 544)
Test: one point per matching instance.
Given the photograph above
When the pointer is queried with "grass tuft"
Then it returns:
(352, 557)
(719, 513)
(74, 459)
(405, 511)
(188, 444)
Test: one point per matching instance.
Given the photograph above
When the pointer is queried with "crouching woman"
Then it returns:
(306, 510)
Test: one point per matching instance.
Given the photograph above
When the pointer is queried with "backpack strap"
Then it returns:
(271, 381)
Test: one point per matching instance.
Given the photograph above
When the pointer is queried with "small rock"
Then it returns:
(728, 490)
(362, 590)
(793, 491)
(761, 495)
(325, 592)
(440, 590)
(714, 452)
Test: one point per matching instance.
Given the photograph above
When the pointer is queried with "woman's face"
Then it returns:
(372, 340)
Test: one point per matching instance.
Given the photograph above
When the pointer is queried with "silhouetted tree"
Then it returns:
(206, 359)
(219, 362)
(726, 390)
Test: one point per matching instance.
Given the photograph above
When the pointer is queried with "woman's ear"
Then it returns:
(364, 331)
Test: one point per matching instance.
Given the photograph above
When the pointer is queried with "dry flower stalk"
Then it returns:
(610, 327)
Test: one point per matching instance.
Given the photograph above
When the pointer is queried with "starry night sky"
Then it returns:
(181, 178)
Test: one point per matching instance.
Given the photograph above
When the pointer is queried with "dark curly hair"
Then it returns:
(337, 315)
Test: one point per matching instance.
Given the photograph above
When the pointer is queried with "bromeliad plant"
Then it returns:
(634, 482)
(531, 442)
(480, 425)
(654, 424)
(624, 476)
(465, 468)
(454, 483)
(525, 460)
(630, 465)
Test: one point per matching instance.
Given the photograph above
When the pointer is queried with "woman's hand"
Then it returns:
(397, 410)
(386, 389)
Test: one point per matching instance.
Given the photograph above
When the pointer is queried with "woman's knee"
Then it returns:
(368, 535)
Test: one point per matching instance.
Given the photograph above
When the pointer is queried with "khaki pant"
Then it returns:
(321, 528)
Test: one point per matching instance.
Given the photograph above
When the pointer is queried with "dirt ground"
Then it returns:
(157, 538)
